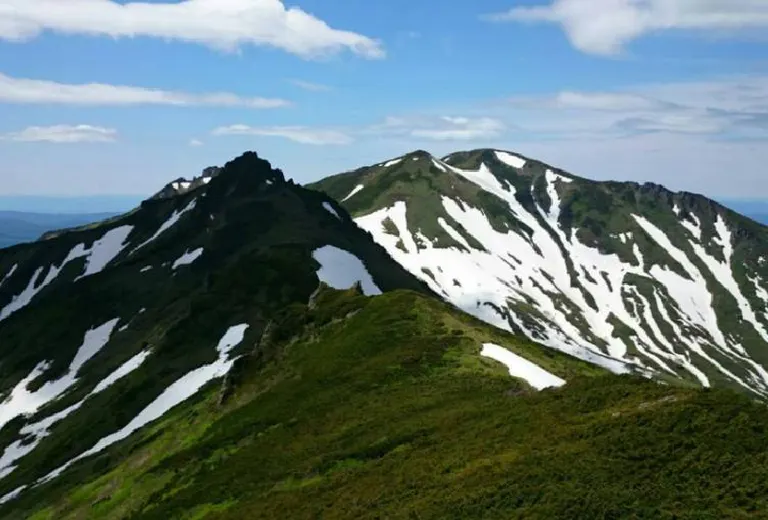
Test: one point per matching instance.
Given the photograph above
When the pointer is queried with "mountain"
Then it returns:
(182, 185)
(759, 217)
(153, 291)
(244, 350)
(19, 226)
(630, 276)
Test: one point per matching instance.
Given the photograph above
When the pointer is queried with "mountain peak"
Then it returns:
(247, 164)
(619, 273)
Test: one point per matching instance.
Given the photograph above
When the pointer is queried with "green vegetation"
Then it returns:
(383, 408)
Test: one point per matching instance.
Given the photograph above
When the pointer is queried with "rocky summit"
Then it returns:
(473, 336)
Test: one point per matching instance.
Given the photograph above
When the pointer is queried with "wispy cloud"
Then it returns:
(308, 85)
(63, 134)
(195, 142)
(729, 107)
(443, 128)
(20, 90)
(225, 25)
(299, 134)
(604, 27)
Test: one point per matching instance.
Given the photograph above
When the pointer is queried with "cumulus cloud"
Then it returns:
(604, 27)
(23, 91)
(64, 134)
(299, 134)
(221, 24)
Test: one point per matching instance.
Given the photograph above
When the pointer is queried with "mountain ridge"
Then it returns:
(244, 349)
(603, 223)
(160, 270)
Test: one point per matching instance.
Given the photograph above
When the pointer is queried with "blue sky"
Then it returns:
(103, 97)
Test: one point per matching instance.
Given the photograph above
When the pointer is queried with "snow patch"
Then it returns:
(187, 258)
(172, 220)
(35, 286)
(178, 392)
(439, 165)
(693, 228)
(122, 371)
(723, 272)
(353, 192)
(41, 429)
(145, 268)
(11, 495)
(9, 274)
(22, 401)
(691, 294)
(392, 162)
(329, 208)
(521, 368)
(341, 270)
(510, 160)
(106, 249)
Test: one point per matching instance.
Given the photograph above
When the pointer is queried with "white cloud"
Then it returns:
(221, 24)
(604, 27)
(299, 134)
(609, 101)
(64, 134)
(19, 90)
(729, 107)
(308, 85)
(445, 128)
(195, 142)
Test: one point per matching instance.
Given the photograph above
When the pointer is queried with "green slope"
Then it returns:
(383, 408)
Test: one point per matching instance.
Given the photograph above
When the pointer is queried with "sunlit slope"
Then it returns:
(631, 277)
(356, 407)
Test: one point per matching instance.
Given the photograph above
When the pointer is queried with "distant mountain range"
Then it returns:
(19, 226)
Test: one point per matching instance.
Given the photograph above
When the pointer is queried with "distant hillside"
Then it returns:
(19, 226)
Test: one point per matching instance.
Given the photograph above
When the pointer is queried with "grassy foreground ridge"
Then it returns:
(354, 407)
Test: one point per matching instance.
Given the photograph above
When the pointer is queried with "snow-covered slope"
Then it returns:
(631, 277)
